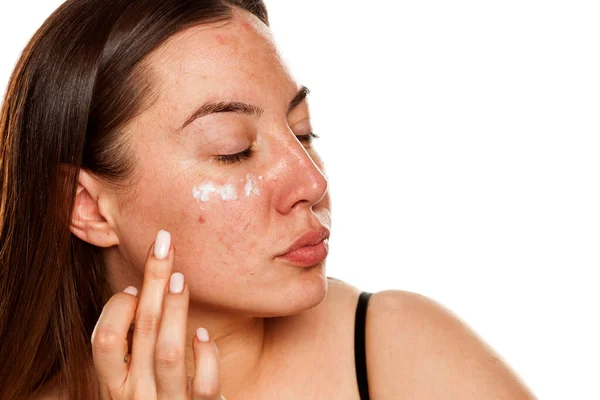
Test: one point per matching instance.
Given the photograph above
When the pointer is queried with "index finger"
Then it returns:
(148, 315)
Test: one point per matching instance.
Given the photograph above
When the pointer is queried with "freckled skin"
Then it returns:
(227, 250)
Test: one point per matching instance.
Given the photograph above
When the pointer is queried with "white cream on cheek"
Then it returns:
(204, 191)
(251, 186)
(228, 193)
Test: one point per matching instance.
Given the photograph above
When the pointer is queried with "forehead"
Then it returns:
(230, 60)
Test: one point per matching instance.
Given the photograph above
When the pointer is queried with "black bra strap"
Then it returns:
(360, 356)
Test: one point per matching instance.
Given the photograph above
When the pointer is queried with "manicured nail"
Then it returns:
(162, 244)
(202, 335)
(131, 290)
(176, 283)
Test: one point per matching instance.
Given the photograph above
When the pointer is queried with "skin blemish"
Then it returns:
(220, 39)
(246, 26)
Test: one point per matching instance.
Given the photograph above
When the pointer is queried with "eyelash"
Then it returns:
(246, 154)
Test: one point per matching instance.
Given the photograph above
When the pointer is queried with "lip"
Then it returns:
(310, 249)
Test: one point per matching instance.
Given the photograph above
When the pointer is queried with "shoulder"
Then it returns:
(418, 347)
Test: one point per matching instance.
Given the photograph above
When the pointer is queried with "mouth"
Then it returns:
(310, 249)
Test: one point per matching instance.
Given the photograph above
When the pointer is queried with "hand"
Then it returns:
(156, 367)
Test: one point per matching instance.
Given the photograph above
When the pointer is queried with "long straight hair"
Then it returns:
(80, 79)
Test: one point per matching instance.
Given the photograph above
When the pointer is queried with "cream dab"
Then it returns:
(251, 186)
(206, 190)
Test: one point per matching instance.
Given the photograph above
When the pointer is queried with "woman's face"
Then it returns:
(228, 219)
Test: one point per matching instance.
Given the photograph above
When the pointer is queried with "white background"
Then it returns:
(462, 145)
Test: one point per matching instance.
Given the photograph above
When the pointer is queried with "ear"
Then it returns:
(91, 216)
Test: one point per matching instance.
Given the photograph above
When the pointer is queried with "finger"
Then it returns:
(170, 366)
(148, 314)
(206, 384)
(109, 339)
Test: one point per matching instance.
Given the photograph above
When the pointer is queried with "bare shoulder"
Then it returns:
(418, 347)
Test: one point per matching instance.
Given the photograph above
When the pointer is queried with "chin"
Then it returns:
(304, 290)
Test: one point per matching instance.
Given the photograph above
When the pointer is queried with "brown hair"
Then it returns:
(77, 83)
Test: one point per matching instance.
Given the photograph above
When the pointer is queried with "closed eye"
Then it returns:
(307, 138)
(235, 158)
(248, 153)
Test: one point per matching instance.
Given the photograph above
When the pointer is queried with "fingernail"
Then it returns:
(162, 244)
(176, 283)
(202, 335)
(131, 290)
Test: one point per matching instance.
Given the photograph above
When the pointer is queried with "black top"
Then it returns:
(359, 345)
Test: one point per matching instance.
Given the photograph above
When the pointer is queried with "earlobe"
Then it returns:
(87, 220)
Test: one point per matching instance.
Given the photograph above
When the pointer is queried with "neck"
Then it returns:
(243, 344)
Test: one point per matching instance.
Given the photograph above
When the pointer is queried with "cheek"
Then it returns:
(235, 193)
(228, 241)
(226, 220)
(228, 212)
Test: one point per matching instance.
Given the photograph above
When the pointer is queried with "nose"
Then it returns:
(299, 181)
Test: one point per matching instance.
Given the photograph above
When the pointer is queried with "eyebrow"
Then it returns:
(213, 107)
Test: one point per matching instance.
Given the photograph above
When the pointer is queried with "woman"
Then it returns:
(124, 118)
